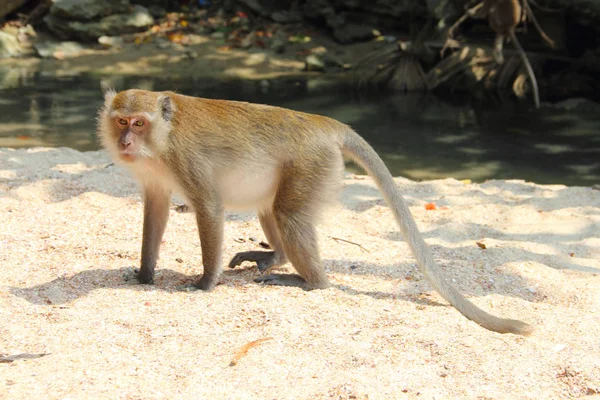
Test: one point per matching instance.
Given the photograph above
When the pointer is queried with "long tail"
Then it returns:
(357, 149)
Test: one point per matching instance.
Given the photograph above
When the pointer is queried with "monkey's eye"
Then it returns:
(139, 122)
(123, 122)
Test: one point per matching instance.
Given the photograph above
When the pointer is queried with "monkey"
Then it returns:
(284, 164)
(503, 17)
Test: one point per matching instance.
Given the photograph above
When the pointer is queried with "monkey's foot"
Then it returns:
(144, 276)
(207, 282)
(263, 259)
(282, 280)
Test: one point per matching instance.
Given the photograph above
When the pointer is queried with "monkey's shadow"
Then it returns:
(65, 289)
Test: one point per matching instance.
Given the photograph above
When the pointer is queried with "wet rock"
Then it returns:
(82, 10)
(136, 20)
(9, 45)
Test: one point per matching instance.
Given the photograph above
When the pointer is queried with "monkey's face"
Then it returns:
(134, 125)
(131, 134)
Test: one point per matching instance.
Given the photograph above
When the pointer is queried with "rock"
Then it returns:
(8, 6)
(322, 61)
(58, 50)
(137, 20)
(83, 10)
(111, 41)
(314, 62)
(25, 33)
(9, 45)
(318, 9)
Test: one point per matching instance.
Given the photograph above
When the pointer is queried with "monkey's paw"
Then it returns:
(263, 259)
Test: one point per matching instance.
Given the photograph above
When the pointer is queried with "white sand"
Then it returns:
(71, 230)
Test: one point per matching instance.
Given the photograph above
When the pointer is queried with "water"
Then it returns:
(418, 136)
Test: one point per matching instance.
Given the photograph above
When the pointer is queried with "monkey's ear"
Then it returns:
(105, 87)
(166, 107)
(109, 96)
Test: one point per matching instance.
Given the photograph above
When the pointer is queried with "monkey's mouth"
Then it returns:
(127, 157)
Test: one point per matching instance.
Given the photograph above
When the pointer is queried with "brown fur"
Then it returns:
(285, 164)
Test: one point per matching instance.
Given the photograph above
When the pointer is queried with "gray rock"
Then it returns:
(137, 20)
(58, 49)
(84, 10)
(111, 41)
(9, 45)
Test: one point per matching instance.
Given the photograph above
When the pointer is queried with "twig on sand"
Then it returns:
(244, 350)
(337, 239)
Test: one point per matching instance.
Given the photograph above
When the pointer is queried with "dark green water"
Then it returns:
(418, 136)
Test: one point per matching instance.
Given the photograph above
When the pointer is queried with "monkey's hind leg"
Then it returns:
(264, 259)
(294, 209)
(299, 240)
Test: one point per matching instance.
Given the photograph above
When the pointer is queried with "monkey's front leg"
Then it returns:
(210, 227)
(156, 215)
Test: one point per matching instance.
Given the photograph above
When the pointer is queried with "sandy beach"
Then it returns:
(76, 326)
